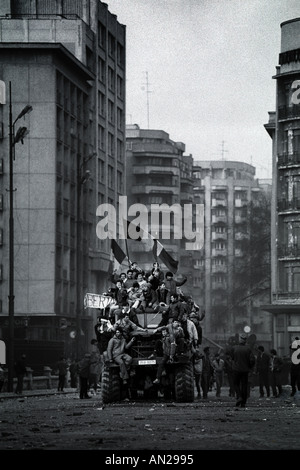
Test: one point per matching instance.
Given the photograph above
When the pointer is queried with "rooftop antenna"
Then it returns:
(223, 150)
(147, 93)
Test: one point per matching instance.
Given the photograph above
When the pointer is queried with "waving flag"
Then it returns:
(117, 252)
(164, 256)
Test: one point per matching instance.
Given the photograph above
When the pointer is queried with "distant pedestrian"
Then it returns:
(243, 362)
(20, 370)
(198, 366)
(207, 371)
(263, 369)
(1, 377)
(62, 368)
(73, 374)
(95, 367)
(229, 372)
(84, 373)
(276, 364)
(218, 365)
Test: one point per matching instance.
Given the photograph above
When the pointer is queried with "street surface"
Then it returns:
(61, 421)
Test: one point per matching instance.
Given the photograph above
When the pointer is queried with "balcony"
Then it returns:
(219, 268)
(215, 285)
(218, 236)
(218, 202)
(156, 170)
(147, 189)
(288, 251)
(219, 252)
(288, 298)
(288, 160)
(215, 219)
(288, 112)
(288, 205)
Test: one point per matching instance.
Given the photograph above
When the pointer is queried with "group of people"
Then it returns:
(136, 292)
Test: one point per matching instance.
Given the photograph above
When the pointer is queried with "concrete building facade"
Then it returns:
(284, 129)
(228, 189)
(158, 172)
(67, 60)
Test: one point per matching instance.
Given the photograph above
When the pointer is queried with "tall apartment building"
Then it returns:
(227, 189)
(284, 129)
(67, 60)
(158, 172)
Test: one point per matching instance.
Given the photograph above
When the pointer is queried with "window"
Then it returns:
(101, 70)
(120, 150)
(101, 103)
(111, 79)
(101, 137)
(111, 147)
(111, 45)
(111, 112)
(119, 118)
(101, 171)
(120, 90)
(101, 35)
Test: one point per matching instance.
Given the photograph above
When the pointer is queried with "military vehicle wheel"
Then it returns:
(184, 383)
(111, 385)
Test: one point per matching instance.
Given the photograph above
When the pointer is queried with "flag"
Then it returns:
(117, 252)
(164, 256)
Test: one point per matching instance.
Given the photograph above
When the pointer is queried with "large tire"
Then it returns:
(111, 385)
(184, 383)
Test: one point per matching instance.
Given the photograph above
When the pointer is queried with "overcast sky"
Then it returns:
(210, 65)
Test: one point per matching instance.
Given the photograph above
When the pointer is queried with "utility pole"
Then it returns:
(223, 150)
(147, 94)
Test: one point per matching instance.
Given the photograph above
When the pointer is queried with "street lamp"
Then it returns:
(13, 139)
(82, 178)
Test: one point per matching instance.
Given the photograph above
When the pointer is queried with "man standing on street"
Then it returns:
(263, 370)
(20, 369)
(243, 362)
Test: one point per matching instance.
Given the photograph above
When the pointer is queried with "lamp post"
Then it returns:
(82, 178)
(13, 139)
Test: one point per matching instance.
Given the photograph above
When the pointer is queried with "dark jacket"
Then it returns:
(243, 358)
(20, 367)
(262, 362)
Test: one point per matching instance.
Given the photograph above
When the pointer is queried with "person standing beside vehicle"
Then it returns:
(243, 362)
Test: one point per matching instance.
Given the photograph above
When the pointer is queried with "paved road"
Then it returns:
(47, 420)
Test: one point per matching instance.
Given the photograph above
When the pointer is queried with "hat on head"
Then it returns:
(206, 349)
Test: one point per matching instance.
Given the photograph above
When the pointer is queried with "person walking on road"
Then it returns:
(84, 373)
(218, 365)
(243, 362)
(20, 370)
(62, 367)
(263, 369)
(276, 364)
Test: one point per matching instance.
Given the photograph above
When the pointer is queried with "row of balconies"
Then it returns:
(285, 159)
(289, 112)
(288, 205)
(288, 251)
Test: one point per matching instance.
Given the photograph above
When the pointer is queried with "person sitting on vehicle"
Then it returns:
(195, 319)
(175, 308)
(116, 352)
(128, 283)
(190, 331)
(176, 334)
(172, 284)
(162, 293)
(141, 280)
(127, 326)
(135, 295)
(104, 331)
(136, 269)
(121, 296)
(150, 297)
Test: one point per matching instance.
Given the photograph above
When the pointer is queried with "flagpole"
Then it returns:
(127, 252)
